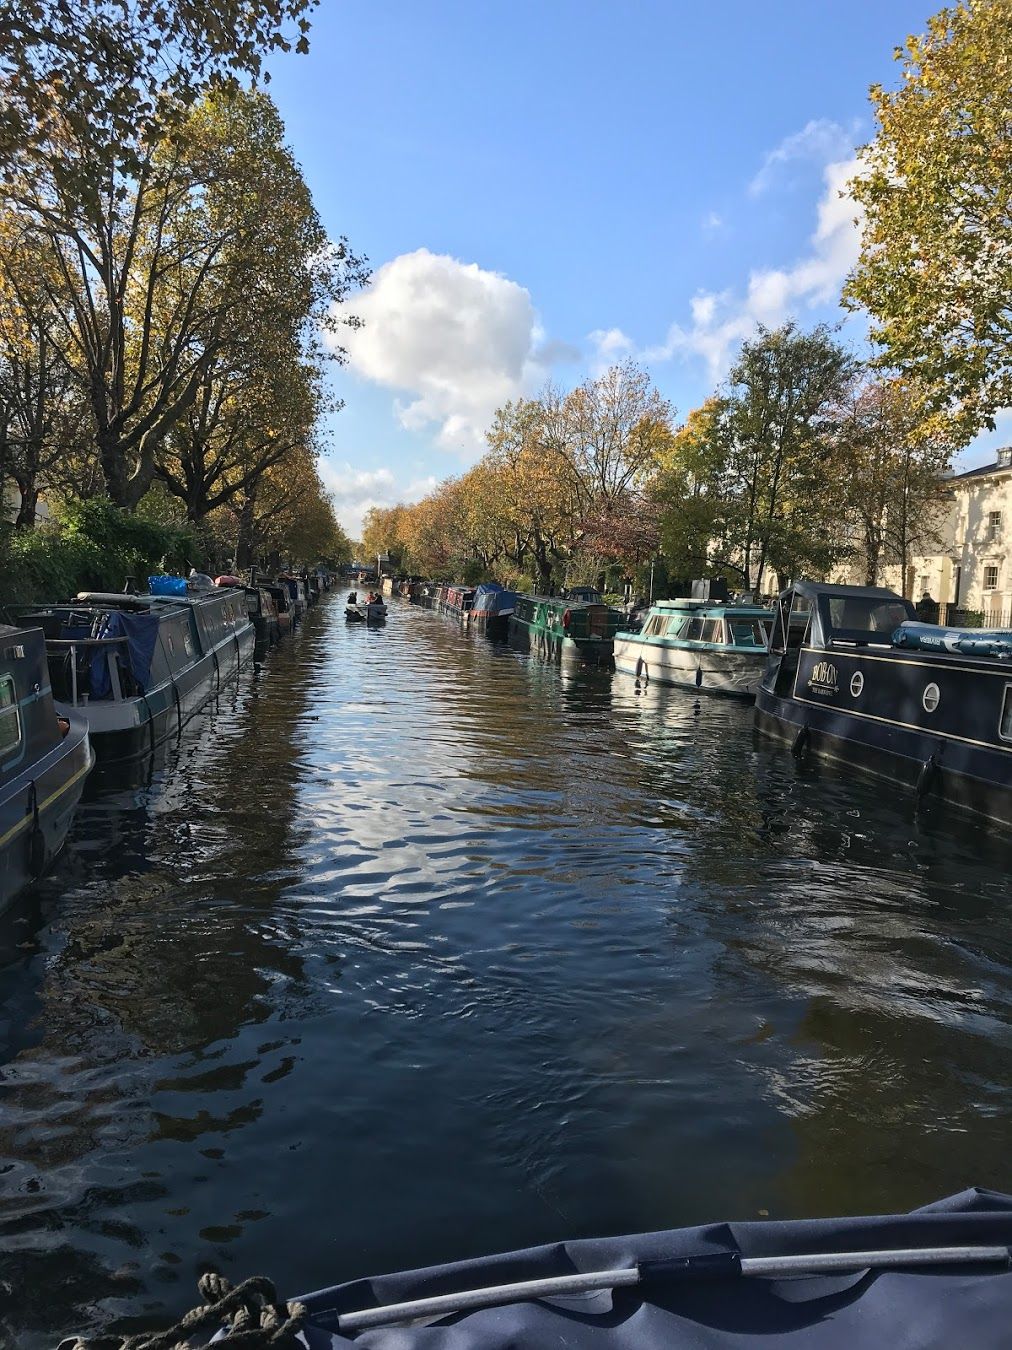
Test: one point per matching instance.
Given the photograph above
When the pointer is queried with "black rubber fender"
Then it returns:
(801, 740)
(36, 838)
(926, 777)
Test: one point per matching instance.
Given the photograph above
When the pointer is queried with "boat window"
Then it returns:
(1005, 724)
(866, 617)
(678, 625)
(10, 717)
(712, 630)
(797, 625)
(749, 632)
(693, 630)
(654, 625)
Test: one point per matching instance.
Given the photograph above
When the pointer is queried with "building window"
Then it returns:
(993, 525)
(990, 577)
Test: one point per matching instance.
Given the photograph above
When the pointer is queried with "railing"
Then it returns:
(991, 615)
(70, 646)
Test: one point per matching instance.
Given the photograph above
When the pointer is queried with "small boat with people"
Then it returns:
(563, 628)
(932, 1279)
(45, 757)
(697, 644)
(853, 676)
(138, 667)
(371, 610)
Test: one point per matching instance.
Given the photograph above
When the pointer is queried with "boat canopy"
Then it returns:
(843, 615)
(490, 598)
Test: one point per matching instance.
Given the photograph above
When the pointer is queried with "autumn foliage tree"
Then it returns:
(114, 79)
(935, 270)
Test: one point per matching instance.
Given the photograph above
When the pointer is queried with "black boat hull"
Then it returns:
(961, 771)
(37, 809)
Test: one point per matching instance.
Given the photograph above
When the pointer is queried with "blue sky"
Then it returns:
(543, 188)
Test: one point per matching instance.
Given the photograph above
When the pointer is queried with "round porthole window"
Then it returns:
(857, 684)
(930, 697)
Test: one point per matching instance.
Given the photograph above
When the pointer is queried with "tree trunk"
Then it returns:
(29, 506)
(244, 543)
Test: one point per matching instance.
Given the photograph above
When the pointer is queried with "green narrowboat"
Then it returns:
(561, 629)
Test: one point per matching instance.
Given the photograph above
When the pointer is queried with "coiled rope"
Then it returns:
(250, 1311)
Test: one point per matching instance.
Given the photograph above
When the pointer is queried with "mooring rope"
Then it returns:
(254, 1319)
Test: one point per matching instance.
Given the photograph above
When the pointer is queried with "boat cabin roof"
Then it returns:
(711, 609)
(565, 603)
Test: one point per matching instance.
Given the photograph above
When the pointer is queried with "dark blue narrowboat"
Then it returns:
(851, 676)
(138, 667)
(45, 756)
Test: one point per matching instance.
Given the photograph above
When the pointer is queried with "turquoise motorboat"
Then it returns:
(720, 648)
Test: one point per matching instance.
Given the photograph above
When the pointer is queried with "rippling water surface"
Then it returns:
(418, 948)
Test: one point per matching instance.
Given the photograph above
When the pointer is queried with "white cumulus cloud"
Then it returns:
(453, 339)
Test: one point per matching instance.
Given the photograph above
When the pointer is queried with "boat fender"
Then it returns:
(801, 742)
(36, 839)
(699, 677)
(926, 777)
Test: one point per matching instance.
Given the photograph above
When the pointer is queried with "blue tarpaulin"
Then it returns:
(693, 1294)
(141, 633)
(490, 598)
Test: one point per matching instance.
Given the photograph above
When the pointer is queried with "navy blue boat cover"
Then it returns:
(490, 598)
(141, 633)
(708, 1305)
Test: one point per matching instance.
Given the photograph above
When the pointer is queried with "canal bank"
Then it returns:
(428, 949)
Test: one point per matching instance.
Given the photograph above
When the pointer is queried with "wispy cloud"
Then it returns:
(819, 141)
(720, 320)
(355, 490)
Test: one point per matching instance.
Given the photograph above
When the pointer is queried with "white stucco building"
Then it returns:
(972, 567)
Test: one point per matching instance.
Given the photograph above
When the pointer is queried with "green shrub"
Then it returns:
(93, 546)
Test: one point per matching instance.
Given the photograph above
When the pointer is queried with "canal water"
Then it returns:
(417, 948)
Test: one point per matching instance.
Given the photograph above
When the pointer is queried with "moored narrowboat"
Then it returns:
(455, 601)
(139, 666)
(719, 648)
(45, 757)
(261, 608)
(297, 590)
(851, 676)
(284, 605)
(561, 629)
(491, 610)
